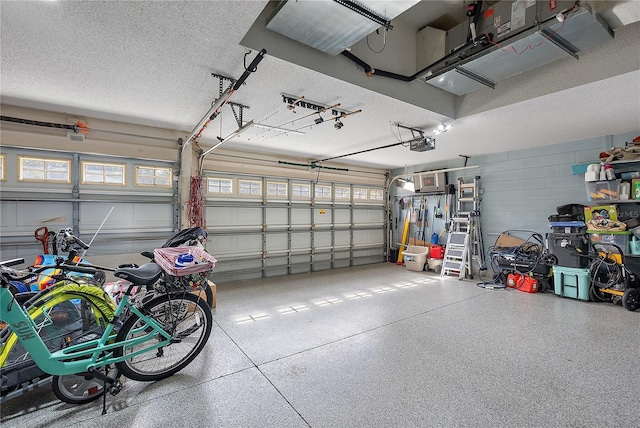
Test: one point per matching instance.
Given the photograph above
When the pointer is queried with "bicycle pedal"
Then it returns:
(116, 387)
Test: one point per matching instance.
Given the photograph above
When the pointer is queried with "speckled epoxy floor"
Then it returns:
(380, 345)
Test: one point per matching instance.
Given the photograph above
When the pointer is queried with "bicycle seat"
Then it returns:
(146, 274)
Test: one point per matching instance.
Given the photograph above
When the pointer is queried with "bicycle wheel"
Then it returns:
(78, 388)
(186, 317)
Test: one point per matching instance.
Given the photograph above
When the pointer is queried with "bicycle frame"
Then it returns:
(85, 356)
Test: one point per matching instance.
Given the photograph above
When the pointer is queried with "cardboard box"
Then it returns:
(508, 241)
(213, 291)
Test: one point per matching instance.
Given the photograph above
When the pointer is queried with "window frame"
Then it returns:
(220, 193)
(83, 173)
(169, 185)
(371, 198)
(357, 190)
(251, 194)
(45, 160)
(342, 198)
(322, 197)
(277, 194)
(301, 185)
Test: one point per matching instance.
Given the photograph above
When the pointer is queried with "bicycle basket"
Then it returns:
(194, 281)
(193, 276)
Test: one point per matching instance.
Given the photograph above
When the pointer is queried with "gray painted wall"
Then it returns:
(521, 188)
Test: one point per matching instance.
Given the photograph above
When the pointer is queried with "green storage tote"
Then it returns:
(571, 282)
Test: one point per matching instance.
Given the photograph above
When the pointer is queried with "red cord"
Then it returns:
(196, 204)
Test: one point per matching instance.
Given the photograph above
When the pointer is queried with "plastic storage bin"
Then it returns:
(603, 190)
(415, 257)
(568, 257)
(621, 239)
(571, 282)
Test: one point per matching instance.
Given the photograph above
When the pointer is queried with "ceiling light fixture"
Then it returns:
(338, 124)
(442, 128)
(318, 120)
(275, 128)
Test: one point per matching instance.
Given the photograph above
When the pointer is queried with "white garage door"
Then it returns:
(56, 190)
(260, 227)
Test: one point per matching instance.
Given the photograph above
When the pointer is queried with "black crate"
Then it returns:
(561, 245)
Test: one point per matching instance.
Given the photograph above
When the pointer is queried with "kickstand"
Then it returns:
(104, 391)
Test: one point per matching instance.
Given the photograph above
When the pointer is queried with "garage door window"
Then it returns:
(359, 194)
(277, 190)
(44, 170)
(301, 191)
(103, 173)
(375, 194)
(153, 176)
(343, 193)
(249, 188)
(323, 192)
(219, 186)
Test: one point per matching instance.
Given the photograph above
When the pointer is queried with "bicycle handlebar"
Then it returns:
(12, 274)
(12, 262)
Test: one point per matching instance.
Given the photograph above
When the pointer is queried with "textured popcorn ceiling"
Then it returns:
(150, 63)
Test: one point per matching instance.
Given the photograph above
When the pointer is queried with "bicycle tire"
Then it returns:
(189, 318)
(78, 388)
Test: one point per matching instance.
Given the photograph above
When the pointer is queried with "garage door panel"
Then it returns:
(234, 216)
(368, 237)
(342, 237)
(322, 239)
(322, 216)
(31, 215)
(342, 216)
(230, 244)
(277, 216)
(125, 216)
(279, 241)
(249, 242)
(300, 216)
(301, 240)
(368, 216)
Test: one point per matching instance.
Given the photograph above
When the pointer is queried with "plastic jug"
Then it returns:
(625, 188)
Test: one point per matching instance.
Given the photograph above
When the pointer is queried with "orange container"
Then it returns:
(521, 282)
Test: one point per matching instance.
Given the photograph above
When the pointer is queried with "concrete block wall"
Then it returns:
(521, 188)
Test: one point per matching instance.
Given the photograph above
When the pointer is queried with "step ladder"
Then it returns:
(456, 255)
(464, 241)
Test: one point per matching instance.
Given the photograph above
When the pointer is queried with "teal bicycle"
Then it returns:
(145, 340)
